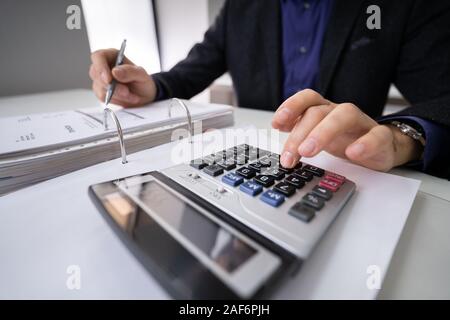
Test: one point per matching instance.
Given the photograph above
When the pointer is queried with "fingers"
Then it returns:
(122, 95)
(303, 127)
(102, 60)
(374, 149)
(130, 73)
(343, 118)
(288, 113)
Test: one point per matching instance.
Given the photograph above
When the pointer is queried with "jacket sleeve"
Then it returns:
(205, 62)
(423, 77)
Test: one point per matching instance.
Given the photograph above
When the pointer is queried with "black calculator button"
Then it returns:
(298, 166)
(285, 189)
(295, 181)
(265, 180)
(247, 173)
(198, 164)
(279, 175)
(228, 165)
(213, 170)
(286, 170)
(302, 212)
(305, 175)
(322, 192)
(313, 201)
(256, 166)
(314, 170)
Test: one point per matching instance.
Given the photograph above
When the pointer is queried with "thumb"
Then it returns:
(129, 73)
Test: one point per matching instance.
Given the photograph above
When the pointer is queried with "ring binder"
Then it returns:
(119, 127)
(188, 115)
(119, 132)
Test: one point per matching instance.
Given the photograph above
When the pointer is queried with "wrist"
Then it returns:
(406, 148)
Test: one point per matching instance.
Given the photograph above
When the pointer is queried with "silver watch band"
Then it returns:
(409, 131)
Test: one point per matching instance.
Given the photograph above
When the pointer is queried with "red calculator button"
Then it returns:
(329, 184)
(335, 177)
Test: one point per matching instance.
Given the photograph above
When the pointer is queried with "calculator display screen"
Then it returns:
(218, 244)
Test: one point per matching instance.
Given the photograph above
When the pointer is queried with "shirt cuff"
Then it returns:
(436, 136)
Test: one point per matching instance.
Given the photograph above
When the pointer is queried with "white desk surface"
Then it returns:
(419, 268)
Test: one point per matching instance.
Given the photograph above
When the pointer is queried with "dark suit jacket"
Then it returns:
(358, 65)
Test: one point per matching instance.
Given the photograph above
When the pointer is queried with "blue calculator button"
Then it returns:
(272, 198)
(232, 179)
(251, 188)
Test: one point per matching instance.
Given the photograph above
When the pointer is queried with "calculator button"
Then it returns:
(264, 180)
(322, 192)
(213, 170)
(332, 185)
(279, 175)
(313, 201)
(272, 198)
(198, 164)
(257, 166)
(335, 177)
(232, 179)
(251, 188)
(302, 212)
(228, 165)
(285, 189)
(286, 170)
(305, 175)
(247, 173)
(295, 181)
(314, 170)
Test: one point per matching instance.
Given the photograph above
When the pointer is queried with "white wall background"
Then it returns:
(108, 22)
(181, 24)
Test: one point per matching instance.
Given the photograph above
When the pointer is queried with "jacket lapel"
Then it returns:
(340, 25)
(270, 29)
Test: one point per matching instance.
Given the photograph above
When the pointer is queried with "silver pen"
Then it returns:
(112, 85)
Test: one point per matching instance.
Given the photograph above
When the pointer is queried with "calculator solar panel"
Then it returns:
(290, 207)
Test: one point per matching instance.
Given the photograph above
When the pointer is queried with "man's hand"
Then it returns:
(343, 130)
(134, 86)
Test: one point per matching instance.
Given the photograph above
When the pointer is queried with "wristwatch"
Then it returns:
(409, 131)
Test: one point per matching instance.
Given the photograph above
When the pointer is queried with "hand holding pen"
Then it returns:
(133, 86)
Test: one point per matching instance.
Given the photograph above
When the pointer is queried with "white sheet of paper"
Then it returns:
(356, 251)
(49, 129)
(48, 227)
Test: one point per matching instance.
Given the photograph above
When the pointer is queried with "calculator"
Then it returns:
(291, 207)
(230, 225)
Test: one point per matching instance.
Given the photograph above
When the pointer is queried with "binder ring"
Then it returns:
(188, 115)
(119, 131)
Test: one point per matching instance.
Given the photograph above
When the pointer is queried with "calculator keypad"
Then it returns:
(256, 172)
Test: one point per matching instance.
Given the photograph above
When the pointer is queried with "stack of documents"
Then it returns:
(37, 147)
